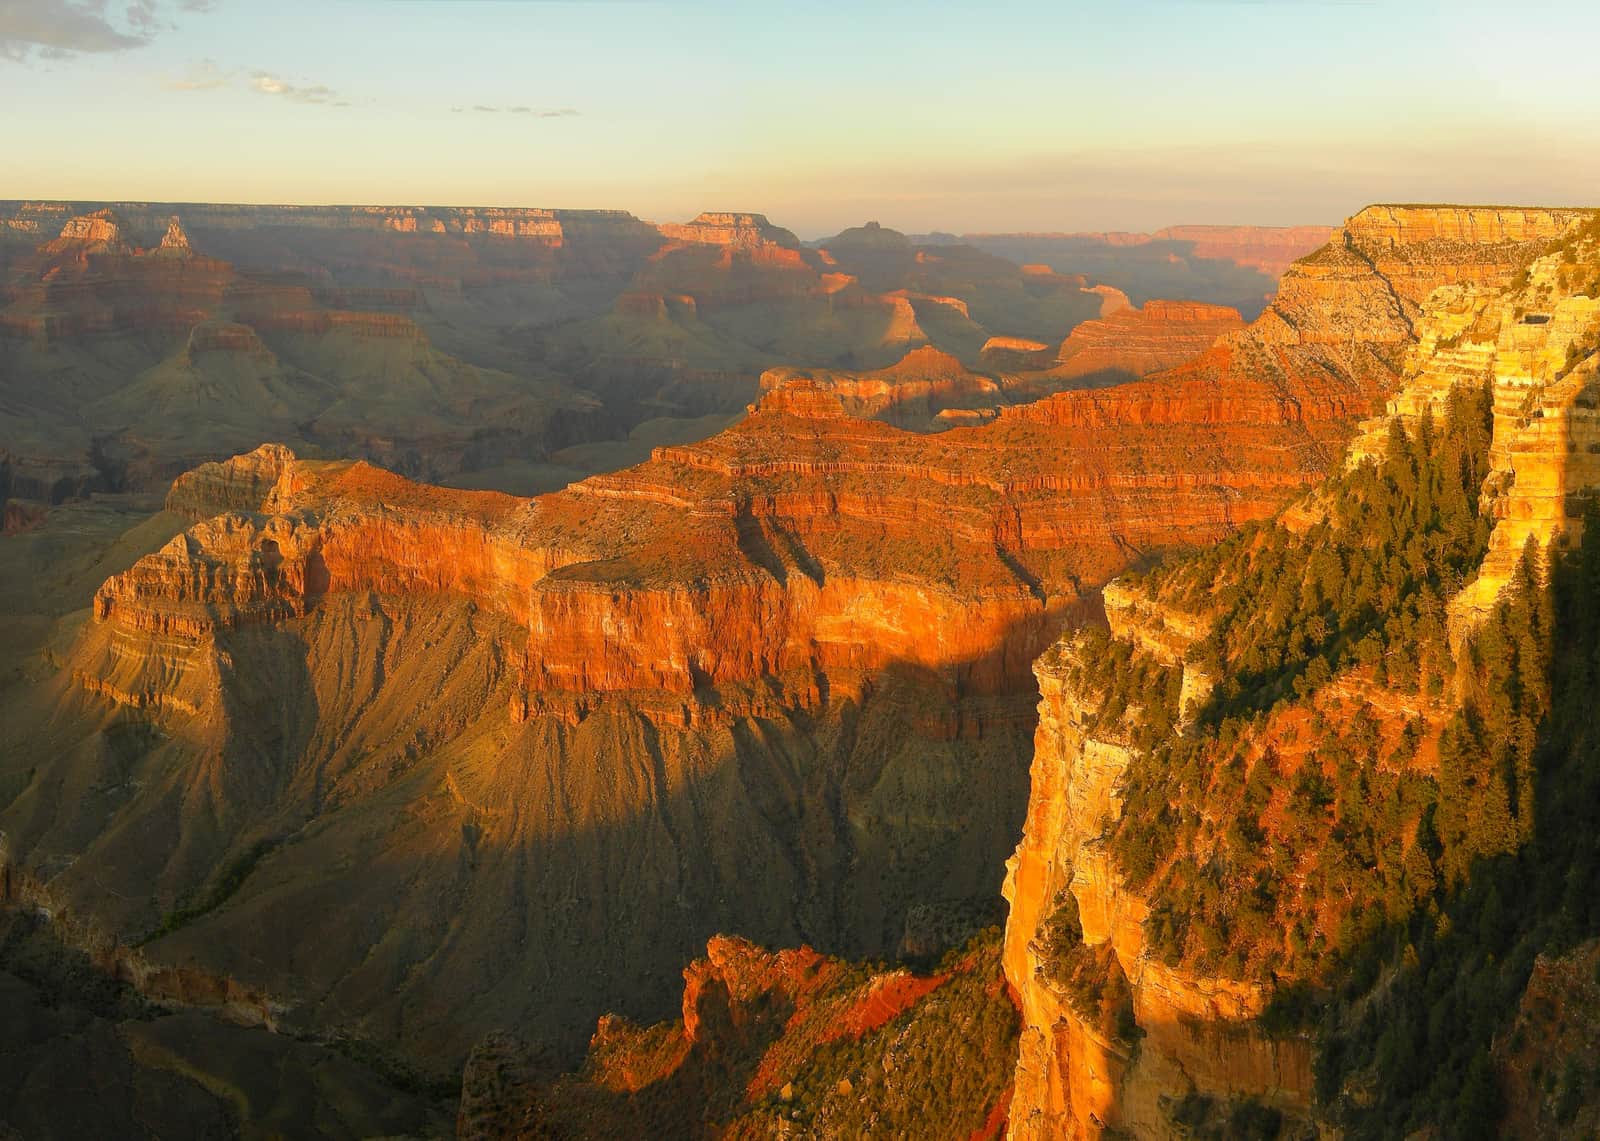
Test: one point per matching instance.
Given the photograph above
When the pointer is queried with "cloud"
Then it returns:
(266, 83)
(206, 75)
(203, 76)
(61, 29)
(531, 112)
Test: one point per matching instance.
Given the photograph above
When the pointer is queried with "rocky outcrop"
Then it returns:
(1546, 1061)
(768, 1042)
(99, 232)
(1194, 1034)
(1136, 342)
(175, 243)
(242, 484)
(731, 230)
(918, 387)
(1533, 339)
(16, 518)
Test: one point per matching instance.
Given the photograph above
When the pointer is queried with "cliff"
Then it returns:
(484, 346)
(739, 231)
(929, 388)
(1271, 249)
(1175, 772)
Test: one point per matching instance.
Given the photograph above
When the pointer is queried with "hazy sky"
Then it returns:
(958, 116)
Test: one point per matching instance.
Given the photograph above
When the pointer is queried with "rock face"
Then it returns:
(771, 1042)
(1137, 342)
(1546, 1062)
(738, 231)
(480, 346)
(243, 483)
(909, 393)
(419, 762)
(1466, 282)
(932, 389)
(1074, 1079)
(387, 333)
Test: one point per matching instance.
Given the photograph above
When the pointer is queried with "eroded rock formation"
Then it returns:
(771, 1042)
(1137, 342)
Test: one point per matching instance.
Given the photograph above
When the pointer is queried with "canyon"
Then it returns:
(519, 349)
(1233, 266)
(451, 772)
(623, 704)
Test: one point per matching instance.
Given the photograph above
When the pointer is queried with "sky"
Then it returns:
(924, 114)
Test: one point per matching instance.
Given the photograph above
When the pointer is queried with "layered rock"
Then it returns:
(462, 344)
(1533, 339)
(737, 231)
(772, 682)
(918, 387)
(1194, 1033)
(161, 357)
(1136, 342)
(244, 483)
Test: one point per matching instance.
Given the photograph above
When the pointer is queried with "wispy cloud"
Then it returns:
(531, 112)
(203, 76)
(61, 29)
(266, 83)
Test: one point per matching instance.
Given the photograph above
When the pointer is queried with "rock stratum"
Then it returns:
(1146, 944)
(419, 762)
